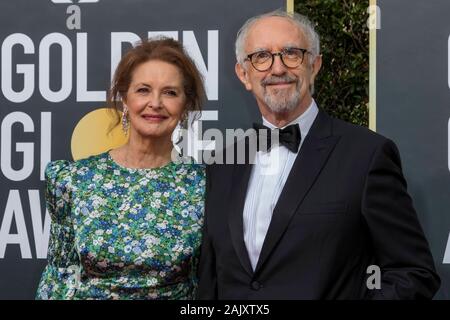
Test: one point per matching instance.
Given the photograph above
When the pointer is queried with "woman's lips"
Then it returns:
(154, 118)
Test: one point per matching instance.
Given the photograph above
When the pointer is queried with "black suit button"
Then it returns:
(255, 285)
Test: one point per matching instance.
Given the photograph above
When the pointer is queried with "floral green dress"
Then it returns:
(121, 233)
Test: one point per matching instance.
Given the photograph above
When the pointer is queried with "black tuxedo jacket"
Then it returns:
(343, 208)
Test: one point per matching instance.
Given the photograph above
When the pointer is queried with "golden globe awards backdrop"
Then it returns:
(56, 62)
(57, 59)
(413, 109)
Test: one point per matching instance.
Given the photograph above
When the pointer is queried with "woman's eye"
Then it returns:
(171, 93)
(142, 90)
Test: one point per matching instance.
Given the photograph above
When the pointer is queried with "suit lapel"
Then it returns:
(240, 180)
(313, 155)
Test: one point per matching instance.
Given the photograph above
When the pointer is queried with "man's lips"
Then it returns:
(279, 84)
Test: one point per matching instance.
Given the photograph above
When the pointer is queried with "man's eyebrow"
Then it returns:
(287, 46)
(260, 49)
(291, 45)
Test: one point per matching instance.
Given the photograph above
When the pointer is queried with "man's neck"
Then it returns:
(281, 119)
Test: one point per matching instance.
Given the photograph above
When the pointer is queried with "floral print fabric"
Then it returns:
(121, 233)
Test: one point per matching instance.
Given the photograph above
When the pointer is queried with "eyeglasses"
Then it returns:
(263, 60)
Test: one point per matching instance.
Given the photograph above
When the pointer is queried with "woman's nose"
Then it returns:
(154, 100)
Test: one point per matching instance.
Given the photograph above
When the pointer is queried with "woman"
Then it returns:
(126, 223)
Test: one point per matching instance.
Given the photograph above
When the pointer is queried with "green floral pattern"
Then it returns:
(121, 233)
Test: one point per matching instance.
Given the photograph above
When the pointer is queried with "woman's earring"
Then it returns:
(179, 133)
(125, 123)
(184, 121)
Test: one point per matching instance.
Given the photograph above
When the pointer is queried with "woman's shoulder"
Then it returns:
(92, 161)
(63, 169)
(58, 169)
(192, 176)
(190, 165)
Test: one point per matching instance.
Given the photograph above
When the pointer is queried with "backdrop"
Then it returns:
(56, 63)
(57, 58)
(413, 100)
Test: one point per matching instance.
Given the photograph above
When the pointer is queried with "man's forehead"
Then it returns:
(275, 24)
(274, 32)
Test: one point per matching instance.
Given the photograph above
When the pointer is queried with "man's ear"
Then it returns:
(242, 75)
(317, 64)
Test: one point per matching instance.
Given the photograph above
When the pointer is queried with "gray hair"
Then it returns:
(302, 22)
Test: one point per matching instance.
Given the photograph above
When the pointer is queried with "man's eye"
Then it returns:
(291, 53)
(263, 55)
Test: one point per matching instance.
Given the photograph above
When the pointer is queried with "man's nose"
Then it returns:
(278, 66)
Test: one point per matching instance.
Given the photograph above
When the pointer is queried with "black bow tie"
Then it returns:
(289, 137)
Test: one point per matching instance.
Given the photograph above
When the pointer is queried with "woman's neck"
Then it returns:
(144, 153)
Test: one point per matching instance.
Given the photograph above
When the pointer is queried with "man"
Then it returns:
(334, 209)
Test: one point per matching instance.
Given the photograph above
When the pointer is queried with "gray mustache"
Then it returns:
(276, 80)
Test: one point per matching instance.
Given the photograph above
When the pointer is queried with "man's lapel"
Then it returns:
(240, 181)
(314, 153)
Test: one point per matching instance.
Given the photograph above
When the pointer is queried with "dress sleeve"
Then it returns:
(61, 275)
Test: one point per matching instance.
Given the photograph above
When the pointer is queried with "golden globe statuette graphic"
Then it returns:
(92, 134)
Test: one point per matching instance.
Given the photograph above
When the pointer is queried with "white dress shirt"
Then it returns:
(267, 179)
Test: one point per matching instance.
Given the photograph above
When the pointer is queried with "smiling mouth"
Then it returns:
(280, 84)
(154, 118)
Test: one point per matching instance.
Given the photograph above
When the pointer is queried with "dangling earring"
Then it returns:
(177, 134)
(184, 121)
(125, 123)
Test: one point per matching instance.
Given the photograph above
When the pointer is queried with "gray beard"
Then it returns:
(279, 101)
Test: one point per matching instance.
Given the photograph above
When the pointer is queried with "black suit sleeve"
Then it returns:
(401, 249)
(207, 287)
